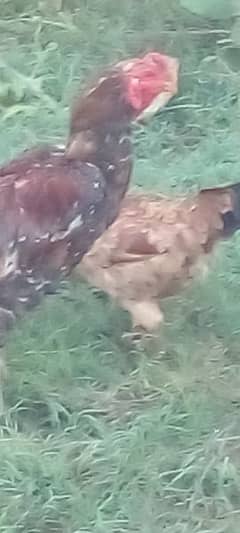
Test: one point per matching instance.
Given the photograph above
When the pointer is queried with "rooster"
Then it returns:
(156, 246)
(56, 201)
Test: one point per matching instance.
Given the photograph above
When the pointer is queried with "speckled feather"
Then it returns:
(50, 215)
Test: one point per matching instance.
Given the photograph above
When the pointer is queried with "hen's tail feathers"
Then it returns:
(222, 203)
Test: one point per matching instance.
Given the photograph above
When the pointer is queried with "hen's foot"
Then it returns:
(138, 336)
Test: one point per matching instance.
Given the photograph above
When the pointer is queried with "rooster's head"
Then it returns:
(130, 90)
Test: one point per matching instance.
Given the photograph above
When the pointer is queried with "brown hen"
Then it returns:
(156, 246)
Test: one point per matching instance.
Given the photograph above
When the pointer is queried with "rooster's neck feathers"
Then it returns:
(100, 131)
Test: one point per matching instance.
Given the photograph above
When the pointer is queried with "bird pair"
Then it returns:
(56, 202)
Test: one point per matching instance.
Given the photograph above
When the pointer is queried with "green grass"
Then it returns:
(99, 437)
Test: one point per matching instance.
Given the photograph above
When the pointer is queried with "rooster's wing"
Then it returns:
(51, 211)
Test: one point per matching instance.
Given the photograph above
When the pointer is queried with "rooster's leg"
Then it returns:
(3, 373)
(7, 319)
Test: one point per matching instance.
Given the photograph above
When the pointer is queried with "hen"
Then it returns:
(54, 202)
(156, 246)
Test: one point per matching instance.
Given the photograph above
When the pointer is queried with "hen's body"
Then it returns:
(156, 246)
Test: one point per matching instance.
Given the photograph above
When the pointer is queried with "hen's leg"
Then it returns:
(147, 317)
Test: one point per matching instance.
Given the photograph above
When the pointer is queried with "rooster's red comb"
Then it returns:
(152, 81)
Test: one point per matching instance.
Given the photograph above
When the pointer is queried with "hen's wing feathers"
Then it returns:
(154, 225)
(144, 229)
(135, 245)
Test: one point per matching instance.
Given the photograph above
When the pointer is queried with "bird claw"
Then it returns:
(132, 336)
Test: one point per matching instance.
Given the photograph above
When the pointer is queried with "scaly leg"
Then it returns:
(7, 319)
(3, 375)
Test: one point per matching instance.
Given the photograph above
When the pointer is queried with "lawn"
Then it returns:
(99, 436)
